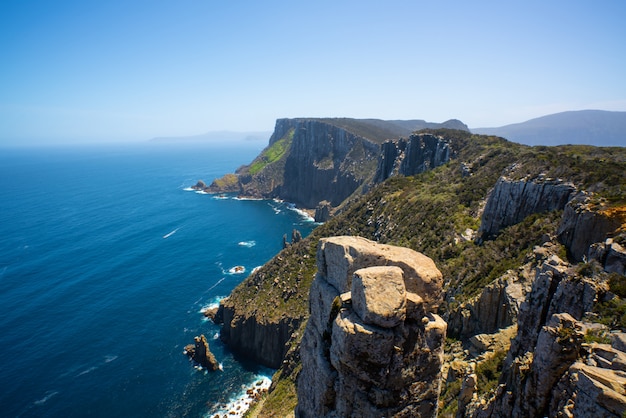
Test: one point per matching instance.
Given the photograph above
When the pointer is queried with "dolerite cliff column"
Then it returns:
(373, 346)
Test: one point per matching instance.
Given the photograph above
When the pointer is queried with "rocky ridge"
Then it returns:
(489, 283)
(315, 162)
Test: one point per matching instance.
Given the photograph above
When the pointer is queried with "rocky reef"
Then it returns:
(201, 354)
(373, 345)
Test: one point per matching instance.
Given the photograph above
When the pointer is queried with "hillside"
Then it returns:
(482, 217)
(589, 127)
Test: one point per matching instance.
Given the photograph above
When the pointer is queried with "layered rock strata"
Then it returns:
(411, 156)
(550, 370)
(373, 346)
(511, 201)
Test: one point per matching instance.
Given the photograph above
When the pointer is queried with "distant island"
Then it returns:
(216, 136)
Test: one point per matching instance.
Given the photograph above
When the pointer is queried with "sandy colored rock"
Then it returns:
(339, 257)
(379, 296)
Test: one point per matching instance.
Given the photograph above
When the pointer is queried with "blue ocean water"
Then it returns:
(106, 261)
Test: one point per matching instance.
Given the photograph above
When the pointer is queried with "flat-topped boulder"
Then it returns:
(339, 257)
(379, 295)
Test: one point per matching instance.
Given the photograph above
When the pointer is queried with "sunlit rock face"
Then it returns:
(373, 346)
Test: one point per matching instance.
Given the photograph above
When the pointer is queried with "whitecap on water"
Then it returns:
(46, 397)
(248, 244)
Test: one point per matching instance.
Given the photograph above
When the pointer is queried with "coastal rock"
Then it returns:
(313, 160)
(371, 348)
(511, 201)
(583, 225)
(322, 211)
(408, 157)
(258, 339)
(201, 354)
(379, 296)
(339, 257)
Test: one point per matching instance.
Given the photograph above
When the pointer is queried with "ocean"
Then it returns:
(107, 259)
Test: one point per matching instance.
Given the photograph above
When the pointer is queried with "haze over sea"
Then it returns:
(106, 261)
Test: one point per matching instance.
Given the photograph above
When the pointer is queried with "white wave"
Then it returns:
(254, 270)
(220, 197)
(189, 189)
(109, 359)
(248, 244)
(240, 403)
(169, 234)
(247, 198)
(237, 270)
(304, 214)
(218, 282)
(215, 303)
(89, 370)
(215, 337)
(201, 192)
(46, 397)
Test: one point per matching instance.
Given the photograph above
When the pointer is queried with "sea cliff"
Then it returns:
(314, 162)
(514, 231)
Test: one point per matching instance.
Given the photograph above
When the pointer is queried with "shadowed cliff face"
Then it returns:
(311, 160)
(408, 157)
(326, 163)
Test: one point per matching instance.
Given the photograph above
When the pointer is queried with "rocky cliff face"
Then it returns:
(585, 224)
(512, 201)
(326, 163)
(550, 370)
(257, 339)
(410, 156)
(313, 160)
(373, 346)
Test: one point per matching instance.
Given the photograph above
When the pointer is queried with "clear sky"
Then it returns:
(135, 69)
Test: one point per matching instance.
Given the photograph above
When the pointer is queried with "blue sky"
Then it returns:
(132, 70)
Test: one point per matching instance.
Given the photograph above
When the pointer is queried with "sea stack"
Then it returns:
(200, 353)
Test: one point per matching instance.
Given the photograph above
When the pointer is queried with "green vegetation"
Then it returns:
(272, 153)
(448, 399)
(489, 371)
(226, 182)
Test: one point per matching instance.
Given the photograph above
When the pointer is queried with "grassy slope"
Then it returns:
(429, 212)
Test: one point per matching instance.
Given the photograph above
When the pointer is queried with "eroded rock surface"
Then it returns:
(372, 346)
(201, 354)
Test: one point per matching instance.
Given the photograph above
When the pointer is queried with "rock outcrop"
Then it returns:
(410, 156)
(373, 346)
(512, 201)
(255, 338)
(496, 307)
(550, 370)
(201, 354)
(585, 224)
